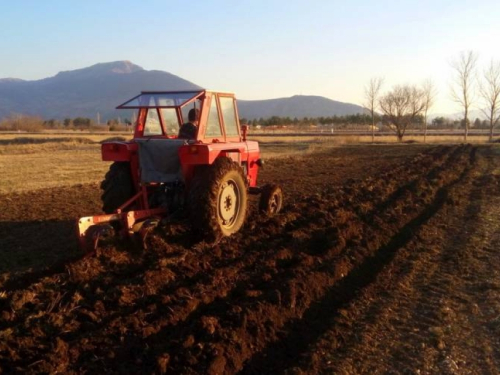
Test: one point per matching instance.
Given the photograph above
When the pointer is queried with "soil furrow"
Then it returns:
(395, 304)
(262, 300)
(321, 315)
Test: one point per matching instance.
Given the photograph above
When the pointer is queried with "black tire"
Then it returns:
(217, 199)
(117, 187)
(271, 200)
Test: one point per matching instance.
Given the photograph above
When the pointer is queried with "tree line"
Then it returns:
(35, 123)
(19, 122)
(402, 105)
(352, 121)
(355, 119)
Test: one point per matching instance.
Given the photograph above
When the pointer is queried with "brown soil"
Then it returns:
(383, 260)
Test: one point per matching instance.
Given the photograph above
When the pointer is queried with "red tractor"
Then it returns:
(158, 174)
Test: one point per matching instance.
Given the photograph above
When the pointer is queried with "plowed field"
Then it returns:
(384, 260)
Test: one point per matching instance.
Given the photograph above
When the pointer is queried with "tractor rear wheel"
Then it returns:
(117, 187)
(271, 200)
(218, 199)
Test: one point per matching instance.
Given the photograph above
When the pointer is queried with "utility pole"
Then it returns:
(98, 118)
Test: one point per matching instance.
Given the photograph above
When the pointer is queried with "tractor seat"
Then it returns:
(159, 160)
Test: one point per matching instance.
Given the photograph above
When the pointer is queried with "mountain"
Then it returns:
(296, 106)
(84, 92)
(101, 87)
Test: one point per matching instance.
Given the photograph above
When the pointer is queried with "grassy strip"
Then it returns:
(37, 161)
(43, 166)
(28, 164)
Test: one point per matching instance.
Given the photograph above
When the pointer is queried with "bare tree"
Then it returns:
(372, 91)
(490, 92)
(429, 95)
(463, 90)
(401, 106)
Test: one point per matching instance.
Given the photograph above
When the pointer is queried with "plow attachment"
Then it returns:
(92, 229)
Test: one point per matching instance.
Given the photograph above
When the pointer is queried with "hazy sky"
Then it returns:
(257, 49)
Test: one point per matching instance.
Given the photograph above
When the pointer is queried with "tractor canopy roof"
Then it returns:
(157, 99)
(162, 99)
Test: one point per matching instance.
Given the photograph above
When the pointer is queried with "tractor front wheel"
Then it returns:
(218, 199)
(271, 200)
(117, 187)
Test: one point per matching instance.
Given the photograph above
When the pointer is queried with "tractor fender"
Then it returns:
(118, 151)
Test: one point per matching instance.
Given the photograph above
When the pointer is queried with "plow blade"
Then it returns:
(91, 229)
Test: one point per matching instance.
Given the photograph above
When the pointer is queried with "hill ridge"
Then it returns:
(99, 88)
